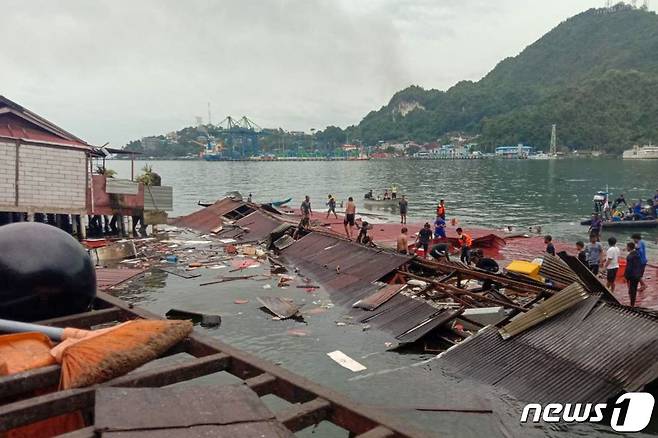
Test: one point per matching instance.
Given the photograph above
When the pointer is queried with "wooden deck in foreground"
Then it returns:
(309, 403)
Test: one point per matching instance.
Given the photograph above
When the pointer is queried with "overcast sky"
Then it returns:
(119, 70)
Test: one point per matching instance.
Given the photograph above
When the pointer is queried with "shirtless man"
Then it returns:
(350, 217)
(403, 242)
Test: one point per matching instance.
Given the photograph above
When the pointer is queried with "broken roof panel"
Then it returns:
(588, 353)
(341, 265)
(210, 217)
(254, 227)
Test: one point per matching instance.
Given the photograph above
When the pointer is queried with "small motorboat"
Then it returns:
(280, 203)
(630, 223)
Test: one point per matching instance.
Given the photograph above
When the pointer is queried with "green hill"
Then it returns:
(595, 75)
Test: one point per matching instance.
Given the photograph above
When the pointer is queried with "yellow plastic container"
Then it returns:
(526, 268)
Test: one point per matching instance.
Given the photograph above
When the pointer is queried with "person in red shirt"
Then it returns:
(465, 241)
(441, 210)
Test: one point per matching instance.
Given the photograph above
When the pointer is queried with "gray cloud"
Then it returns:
(119, 70)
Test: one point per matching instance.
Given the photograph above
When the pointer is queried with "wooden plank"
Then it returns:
(300, 416)
(28, 411)
(170, 374)
(28, 381)
(86, 320)
(261, 384)
(178, 407)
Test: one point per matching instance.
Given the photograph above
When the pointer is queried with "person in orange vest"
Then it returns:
(465, 241)
(441, 210)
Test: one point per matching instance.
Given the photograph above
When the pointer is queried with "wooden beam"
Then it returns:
(170, 374)
(300, 416)
(86, 320)
(39, 408)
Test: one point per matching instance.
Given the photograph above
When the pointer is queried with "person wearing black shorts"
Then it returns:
(423, 239)
(350, 217)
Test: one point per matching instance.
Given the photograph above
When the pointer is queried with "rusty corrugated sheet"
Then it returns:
(371, 302)
(341, 265)
(406, 318)
(588, 353)
(108, 277)
(210, 217)
(254, 227)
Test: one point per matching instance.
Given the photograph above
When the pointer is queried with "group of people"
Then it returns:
(349, 221)
(603, 210)
(596, 258)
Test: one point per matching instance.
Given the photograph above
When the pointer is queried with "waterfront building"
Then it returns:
(43, 168)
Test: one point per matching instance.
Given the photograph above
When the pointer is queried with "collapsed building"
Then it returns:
(532, 335)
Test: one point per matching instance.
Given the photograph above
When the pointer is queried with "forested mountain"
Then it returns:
(595, 75)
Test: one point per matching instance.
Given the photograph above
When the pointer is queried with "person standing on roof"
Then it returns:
(633, 272)
(550, 248)
(611, 263)
(249, 198)
(423, 238)
(439, 228)
(403, 241)
(403, 204)
(306, 207)
(465, 241)
(350, 217)
(441, 210)
(641, 249)
(331, 203)
(441, 251)
(594, 252)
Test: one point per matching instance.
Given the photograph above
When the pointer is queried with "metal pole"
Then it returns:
(132, 167)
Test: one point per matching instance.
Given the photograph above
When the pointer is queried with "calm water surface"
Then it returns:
(555, 194)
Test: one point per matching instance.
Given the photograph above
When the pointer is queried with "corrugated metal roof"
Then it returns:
(18, 122)
(319, 255)
(588, 353)
(159, 198)
(586, 277)
(254, 227)
(559, 302)
(557, 270)
(208, 218)
(108, 277)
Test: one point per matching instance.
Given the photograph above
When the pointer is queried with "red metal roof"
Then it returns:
(210, 217)
(17, 122)
(108, 277)
(258, 224)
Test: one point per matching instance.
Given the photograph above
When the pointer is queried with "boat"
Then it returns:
(630, 223)
(647, 152)
(280, 203)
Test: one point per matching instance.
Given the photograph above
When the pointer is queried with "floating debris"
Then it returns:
(346, 362)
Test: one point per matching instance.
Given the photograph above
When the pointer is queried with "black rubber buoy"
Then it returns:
(44, 273)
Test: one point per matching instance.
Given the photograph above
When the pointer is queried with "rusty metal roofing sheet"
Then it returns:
(407, 318)
(108, 277)
(588, 353)
(210, 217)
(340, 265)
(371, 302)
(254, 227)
